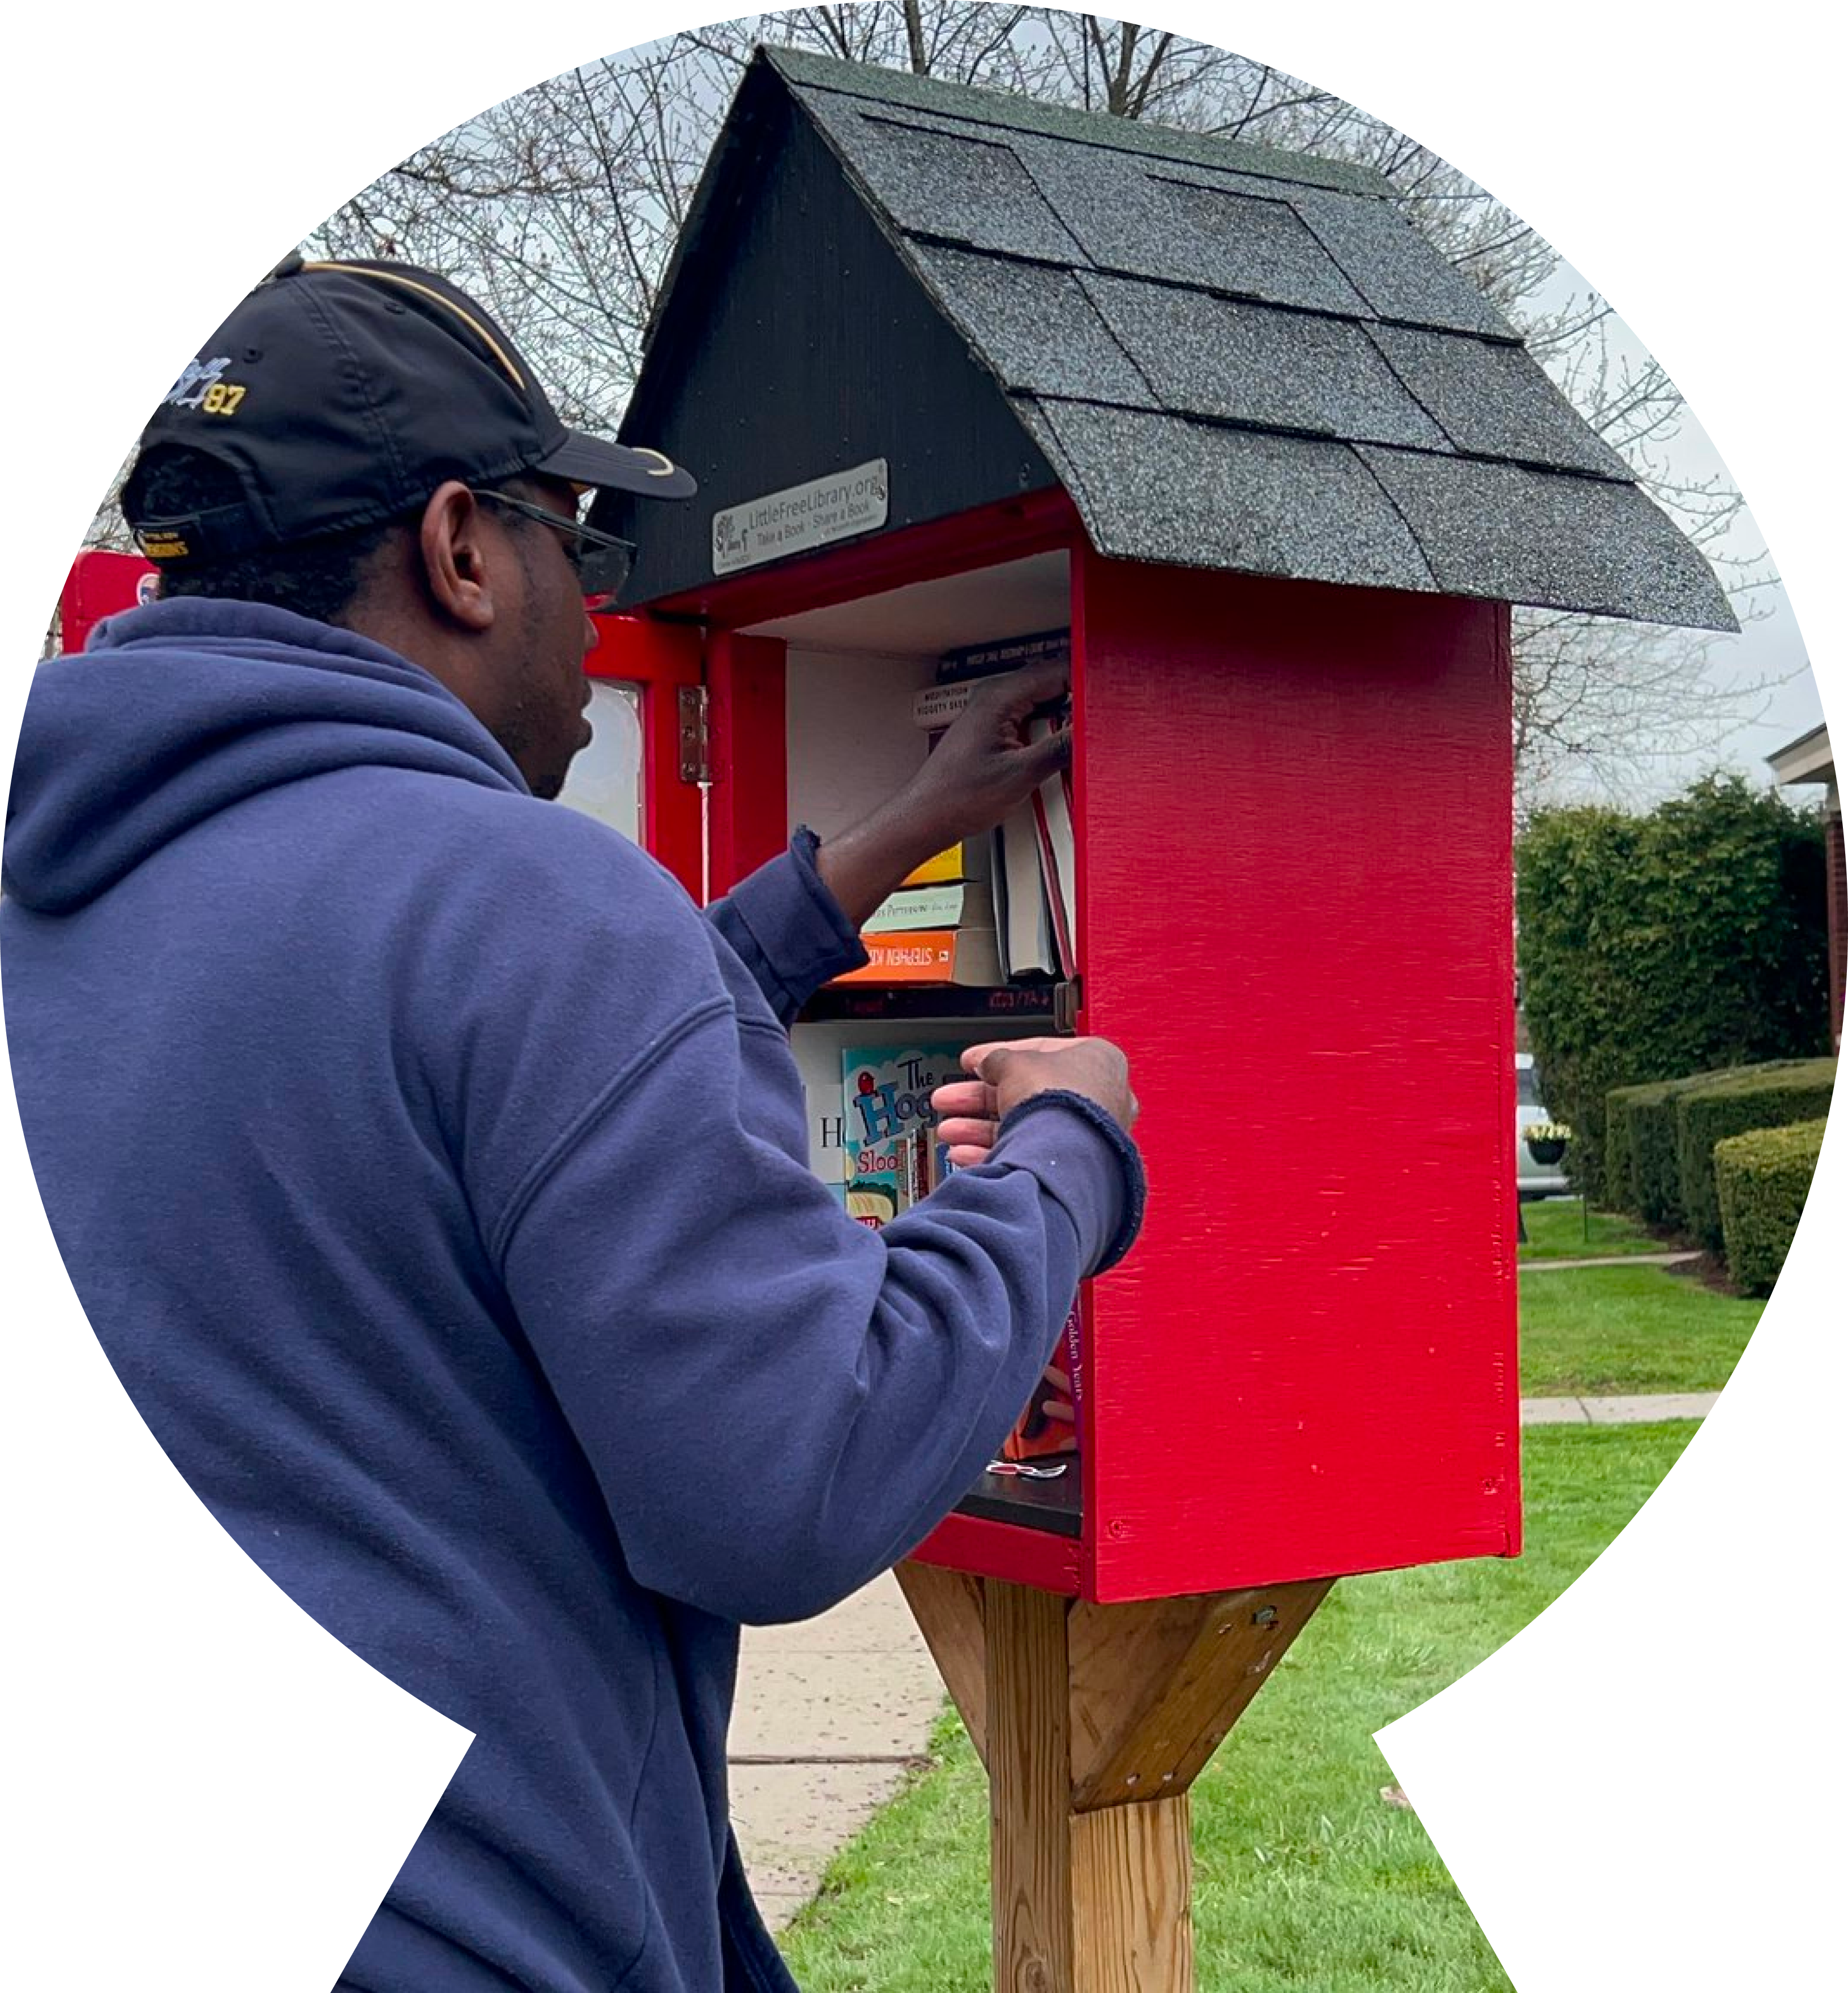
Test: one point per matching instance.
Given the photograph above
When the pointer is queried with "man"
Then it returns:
(435, 1175)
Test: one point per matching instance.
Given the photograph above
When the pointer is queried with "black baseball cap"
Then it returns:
(340, 394)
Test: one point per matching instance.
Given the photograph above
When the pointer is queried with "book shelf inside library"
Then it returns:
(868, 1050)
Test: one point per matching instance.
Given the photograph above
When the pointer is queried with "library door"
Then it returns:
(642, 772)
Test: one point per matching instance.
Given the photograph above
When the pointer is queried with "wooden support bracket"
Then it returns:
(1093, 1721)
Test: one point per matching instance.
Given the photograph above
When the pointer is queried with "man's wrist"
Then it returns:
(863, 865)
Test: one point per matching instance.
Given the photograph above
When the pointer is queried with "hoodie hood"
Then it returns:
(183, 709)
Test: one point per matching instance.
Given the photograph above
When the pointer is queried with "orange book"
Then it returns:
(931, 954)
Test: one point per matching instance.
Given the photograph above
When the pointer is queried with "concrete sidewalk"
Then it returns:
(832, 1714)
(1609, 1260)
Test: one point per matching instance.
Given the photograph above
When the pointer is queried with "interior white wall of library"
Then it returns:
(1017, 598)
(850, 745)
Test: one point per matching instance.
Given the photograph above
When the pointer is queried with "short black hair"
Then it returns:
(318, 577)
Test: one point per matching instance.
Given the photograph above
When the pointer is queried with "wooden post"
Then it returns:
(1093, 1721)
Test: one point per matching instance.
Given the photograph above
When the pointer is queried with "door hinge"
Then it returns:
(695, 745)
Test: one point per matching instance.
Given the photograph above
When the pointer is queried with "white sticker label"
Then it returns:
(806, 515)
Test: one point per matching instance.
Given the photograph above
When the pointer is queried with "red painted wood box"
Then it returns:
(1293, 810)
(951, 369)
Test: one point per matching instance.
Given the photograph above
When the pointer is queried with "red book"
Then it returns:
(1035, 1435)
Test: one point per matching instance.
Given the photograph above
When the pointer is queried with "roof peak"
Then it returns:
(902, 90)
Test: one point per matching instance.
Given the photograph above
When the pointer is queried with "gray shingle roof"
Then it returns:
(1244, 359)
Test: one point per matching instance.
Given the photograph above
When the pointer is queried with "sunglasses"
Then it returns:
(601, 562)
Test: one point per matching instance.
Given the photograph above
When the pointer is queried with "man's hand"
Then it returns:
(970, 1111)
(983, 767)
(1052, 1400)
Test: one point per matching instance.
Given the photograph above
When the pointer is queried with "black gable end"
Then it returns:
(890, 284)
(794, 344)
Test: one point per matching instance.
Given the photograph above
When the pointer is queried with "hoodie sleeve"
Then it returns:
(776, 1402)
(787, 928)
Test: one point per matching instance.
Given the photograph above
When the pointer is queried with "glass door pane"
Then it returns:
(606, 779)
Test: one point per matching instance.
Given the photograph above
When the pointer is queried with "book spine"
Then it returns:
(926, 957)
(936, 706)
(1052, 827)
(1036, 1434)
(945, 868)
(948, 954)
(1055, 897)
(981, 661)
(916, 907)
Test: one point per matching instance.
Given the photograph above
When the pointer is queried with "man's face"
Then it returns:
(545, 724)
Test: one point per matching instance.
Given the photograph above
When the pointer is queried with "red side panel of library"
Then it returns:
(1295, 806)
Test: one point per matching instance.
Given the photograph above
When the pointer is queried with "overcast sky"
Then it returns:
(1769, 649)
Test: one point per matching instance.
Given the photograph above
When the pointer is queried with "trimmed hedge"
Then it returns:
(1731, 1104)
(1655, 1162)
(1762, 1179)
(1620, 1192)
(1650, 946)
(1643, 1132)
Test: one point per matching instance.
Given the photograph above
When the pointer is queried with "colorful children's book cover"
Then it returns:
(893, 1157)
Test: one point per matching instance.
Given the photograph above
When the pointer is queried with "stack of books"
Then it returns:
(939, 926)
(990, 911)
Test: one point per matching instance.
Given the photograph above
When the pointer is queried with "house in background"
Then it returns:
(1810, 759)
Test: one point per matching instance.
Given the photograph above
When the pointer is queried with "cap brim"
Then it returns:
(615, 466)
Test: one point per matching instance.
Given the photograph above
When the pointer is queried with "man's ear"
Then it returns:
(459, 557)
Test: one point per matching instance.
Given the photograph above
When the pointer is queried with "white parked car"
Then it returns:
(1539, 1169)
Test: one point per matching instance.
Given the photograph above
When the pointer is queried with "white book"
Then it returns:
(914, 907)
(1022, 920)
(1058, 854)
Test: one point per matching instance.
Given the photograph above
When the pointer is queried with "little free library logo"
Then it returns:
(836, 507)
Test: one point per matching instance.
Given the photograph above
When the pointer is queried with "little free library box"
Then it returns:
(954, 368)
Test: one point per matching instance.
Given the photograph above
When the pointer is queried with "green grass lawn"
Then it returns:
(1597, 1331)
(1556, 1229)
(1304, 1878)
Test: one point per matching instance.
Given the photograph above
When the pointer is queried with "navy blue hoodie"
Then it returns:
(435, 1176)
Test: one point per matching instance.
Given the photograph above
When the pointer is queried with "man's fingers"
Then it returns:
(1046, 757)
(967, 1132)
(1018, 692)
(965, 1097)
